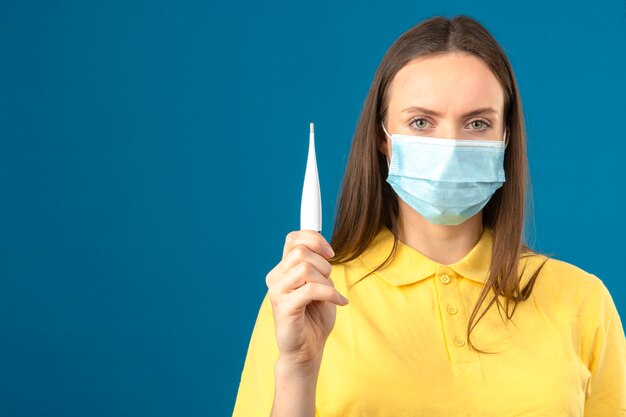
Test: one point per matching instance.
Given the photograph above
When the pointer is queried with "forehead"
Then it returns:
(449, 83)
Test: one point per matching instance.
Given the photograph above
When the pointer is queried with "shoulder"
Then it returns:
(565, 275)
(562, 283)
(560, 273)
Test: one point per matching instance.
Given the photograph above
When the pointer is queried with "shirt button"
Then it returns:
(459, 342)
(452, 310)
(444, 278)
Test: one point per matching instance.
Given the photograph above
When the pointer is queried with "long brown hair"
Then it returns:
(367, 202)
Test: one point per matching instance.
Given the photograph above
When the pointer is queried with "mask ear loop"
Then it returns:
(504, 139)
(385, 130)
(387, 133)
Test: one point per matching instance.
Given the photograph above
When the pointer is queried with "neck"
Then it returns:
(445, 244)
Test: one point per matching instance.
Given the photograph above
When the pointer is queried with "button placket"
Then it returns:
(454, 322)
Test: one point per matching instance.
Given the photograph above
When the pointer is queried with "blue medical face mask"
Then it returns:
(447, 181)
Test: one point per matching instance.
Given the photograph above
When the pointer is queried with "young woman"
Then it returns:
(450, 313)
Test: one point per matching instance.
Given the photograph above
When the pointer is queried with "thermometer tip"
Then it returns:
(311, 127)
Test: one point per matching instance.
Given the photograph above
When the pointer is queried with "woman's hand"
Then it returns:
(303, 300)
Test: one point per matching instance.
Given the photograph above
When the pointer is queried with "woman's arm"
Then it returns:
(296, 318)
(295, 390)
(606, 359)
(272, 385)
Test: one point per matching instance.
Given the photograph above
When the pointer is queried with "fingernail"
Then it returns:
(329, 251)
(344, 299)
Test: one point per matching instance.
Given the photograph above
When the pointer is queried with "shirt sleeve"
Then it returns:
(606, 360)
(255, 396)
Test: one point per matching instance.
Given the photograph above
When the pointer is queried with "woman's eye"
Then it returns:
(480, 123)
(417, 124)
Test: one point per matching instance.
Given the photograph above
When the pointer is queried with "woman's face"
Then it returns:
(433, 96)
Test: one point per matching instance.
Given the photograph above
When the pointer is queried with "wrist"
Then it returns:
(295, 388)
(290, 367)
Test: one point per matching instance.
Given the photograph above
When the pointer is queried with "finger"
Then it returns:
(298, 255)
(309, 292)
(298, 276)
(311, 239)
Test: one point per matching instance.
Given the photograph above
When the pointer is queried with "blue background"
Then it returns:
(151, 163)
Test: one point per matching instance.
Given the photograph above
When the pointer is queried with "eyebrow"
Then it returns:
(434, 113)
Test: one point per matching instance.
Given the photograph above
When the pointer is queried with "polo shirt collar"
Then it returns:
(409, 265)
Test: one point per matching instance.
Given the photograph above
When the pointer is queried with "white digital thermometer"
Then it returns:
(311, 205)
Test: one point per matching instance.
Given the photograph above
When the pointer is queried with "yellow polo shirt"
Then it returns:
(399, 348)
